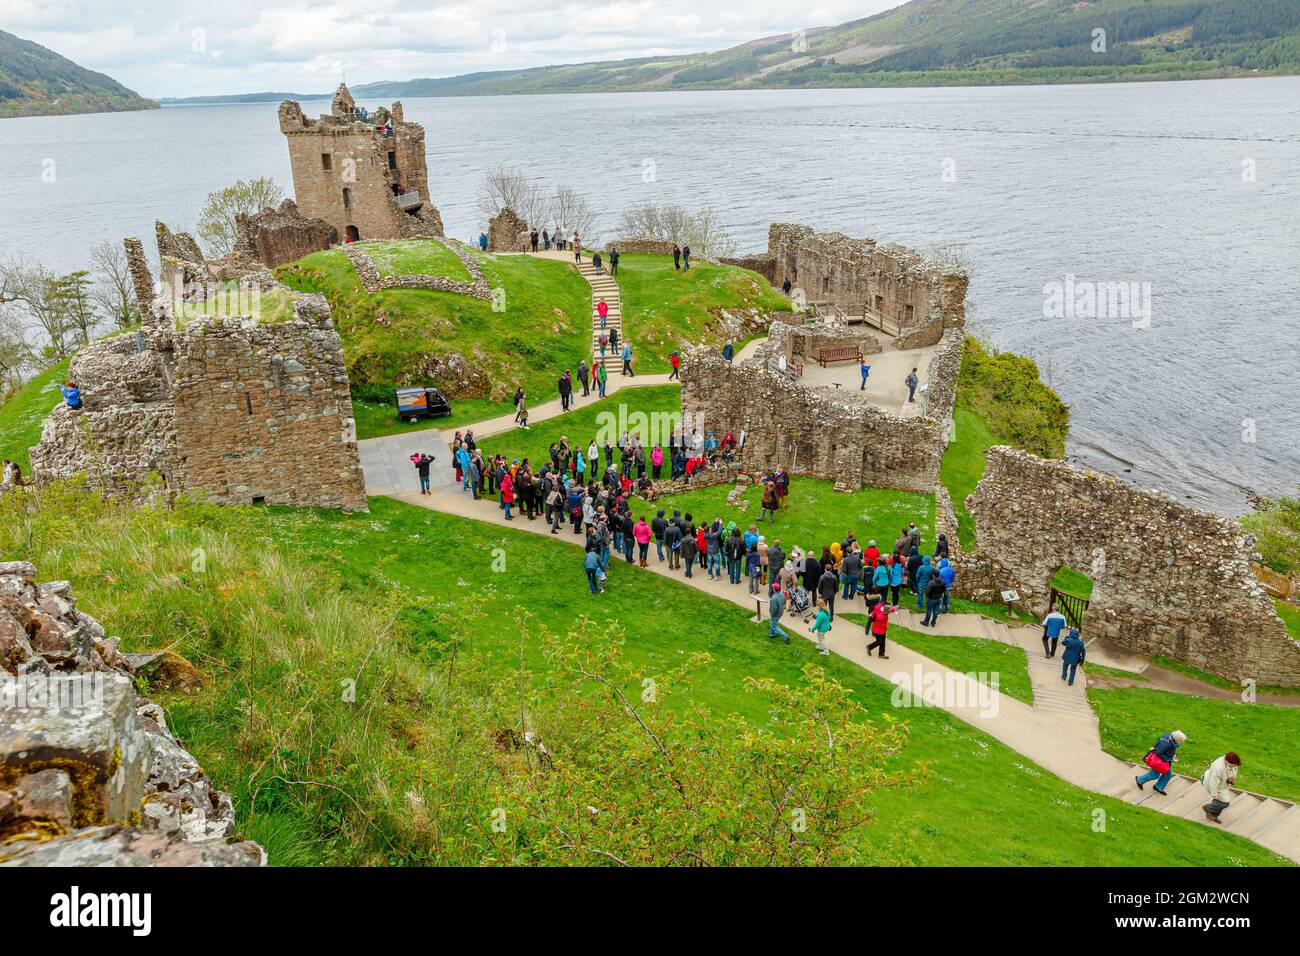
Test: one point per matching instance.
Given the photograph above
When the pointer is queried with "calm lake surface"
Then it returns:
(1191, 190)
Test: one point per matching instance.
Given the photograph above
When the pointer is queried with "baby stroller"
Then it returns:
(799, 602)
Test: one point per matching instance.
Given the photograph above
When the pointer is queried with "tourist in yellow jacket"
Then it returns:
(1218, 780)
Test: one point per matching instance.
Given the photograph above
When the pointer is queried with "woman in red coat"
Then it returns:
(507, 493)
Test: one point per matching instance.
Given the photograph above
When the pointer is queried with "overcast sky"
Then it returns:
(196, 47)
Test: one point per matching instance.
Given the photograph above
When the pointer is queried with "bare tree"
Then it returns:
(217, 220)
(15, 351)
(114, 290)
(42, 300)
(510, 187)
(701, 230)
(571, 213)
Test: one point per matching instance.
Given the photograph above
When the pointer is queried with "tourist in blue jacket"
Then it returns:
(949, 575)
(591, 562)
(896, 569)
(1072, 654)
(923, 575)
(880, 579)
(1165, 750)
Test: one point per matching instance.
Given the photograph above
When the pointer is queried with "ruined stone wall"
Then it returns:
(237, 410)
(90, 774)
(763, 263)
(810, 431)
(803, 342)
(278, 397)
(277, 236)
(1168, 579)
(505, 230)
(645, 244)
(940, 396)
(344, 170)
(909, 290)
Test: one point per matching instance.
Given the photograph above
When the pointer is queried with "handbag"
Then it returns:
(1154, 761)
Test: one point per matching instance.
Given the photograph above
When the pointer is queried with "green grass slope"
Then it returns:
(358, 669)
(35, 81)
(22, 416)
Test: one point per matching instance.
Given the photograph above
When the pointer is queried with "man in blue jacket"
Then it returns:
(923, 575)
(1072, 654)
(949, 574)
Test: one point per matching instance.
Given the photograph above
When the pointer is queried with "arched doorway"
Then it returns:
(353, 234)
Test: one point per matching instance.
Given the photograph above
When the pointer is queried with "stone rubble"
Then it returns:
(90, 773)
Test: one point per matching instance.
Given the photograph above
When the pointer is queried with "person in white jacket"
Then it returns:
(1218, 781)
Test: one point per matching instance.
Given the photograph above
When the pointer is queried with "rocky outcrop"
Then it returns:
(90, 773)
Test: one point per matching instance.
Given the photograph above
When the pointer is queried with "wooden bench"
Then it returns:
(844, 354)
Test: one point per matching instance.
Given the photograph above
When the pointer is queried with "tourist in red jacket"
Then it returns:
(507, 493)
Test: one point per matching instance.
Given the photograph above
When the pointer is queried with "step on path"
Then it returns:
(603, 286)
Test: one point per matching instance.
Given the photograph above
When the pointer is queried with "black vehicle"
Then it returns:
(416, 403)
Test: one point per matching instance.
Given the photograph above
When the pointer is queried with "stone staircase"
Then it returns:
(1251, 815)
(603, 286)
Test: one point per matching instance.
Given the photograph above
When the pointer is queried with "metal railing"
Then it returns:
(1072, 606)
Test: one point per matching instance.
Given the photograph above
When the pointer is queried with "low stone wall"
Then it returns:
(90, 774)
(809, 431)
(945, 365)
(763, 263)
(803, 342)
(645, 244)
(1168, 579)
(372, 281)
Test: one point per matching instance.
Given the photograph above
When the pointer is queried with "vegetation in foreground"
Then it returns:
(22, 416)
(370, 697)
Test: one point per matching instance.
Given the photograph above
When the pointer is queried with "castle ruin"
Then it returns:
(363, 173)
(240, 410)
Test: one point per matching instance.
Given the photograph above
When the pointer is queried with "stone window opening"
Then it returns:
(392, 159)
(248, 401)
(326, 161)
(907, 314)
(347, 198)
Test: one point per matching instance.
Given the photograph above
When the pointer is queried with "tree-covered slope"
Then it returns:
(35, 81)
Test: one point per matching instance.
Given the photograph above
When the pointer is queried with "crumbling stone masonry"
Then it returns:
(507, 232)
(810, 431)
(276, 236)
(372, 281)
(920, 298)
(349, 167)
(90, 774)
(1168, 579)
(238, 410)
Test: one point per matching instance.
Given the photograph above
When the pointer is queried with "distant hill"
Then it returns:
(35, 81)
(940, 43)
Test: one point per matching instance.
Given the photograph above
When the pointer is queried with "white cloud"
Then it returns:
(245, 46)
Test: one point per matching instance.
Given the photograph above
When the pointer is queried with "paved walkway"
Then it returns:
(1059, 732)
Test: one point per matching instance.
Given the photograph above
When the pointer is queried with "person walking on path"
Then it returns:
(673, 543)
(613, 261)
(1053, 624)
(911, 382)
(827, 587)
(949, 575)
(577, 248)
(686, 257)
(865, 369)
(592, 563)
(933, 600)
(776, 608)
(1073, 653)
(601, 376)
(851, 567)
(482, 241)
(656, 462)
(677, 257)
(821, 625)
(688, 549)
(895, 579)
(507, 493)
(519, 401)
(923, 575)
(602, 310)
(658, 527)
(1218, 780)
(1160, 759)
(627, 359)
(584, 376)
(422, 464)
(771, 501)
(546, 241)
(878, 627)
(533, 238)
(675, 363)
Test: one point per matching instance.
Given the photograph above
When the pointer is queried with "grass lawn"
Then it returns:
(999, 612)
(391, 337)
(651, 410)
(963, 466)
(408, 257)
(22, 416)
(662, 307)
(1132, 718)
(815, 514)
(267, 306)
(967, 655)
(417, 608)
(1290, 615)
(1101, 670)
(1205, 677)
(1073, 582)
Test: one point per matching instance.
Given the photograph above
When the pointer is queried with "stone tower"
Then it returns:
(364, 173)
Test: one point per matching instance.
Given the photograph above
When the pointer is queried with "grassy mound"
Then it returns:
(22, 416)
(663, 307)
(408, 257)
(362, 676)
